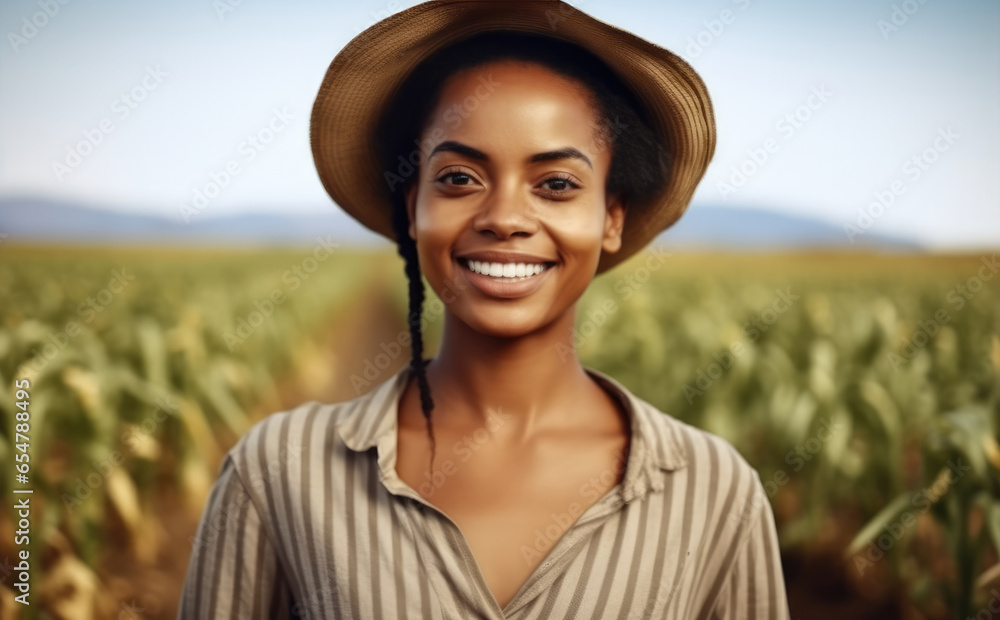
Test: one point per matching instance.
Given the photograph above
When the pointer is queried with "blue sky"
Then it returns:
(926, 87)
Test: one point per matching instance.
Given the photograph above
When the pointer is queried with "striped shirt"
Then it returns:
(309, 519)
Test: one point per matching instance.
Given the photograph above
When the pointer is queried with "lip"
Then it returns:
(504, 290)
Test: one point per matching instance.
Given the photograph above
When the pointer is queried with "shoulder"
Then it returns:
(718, 483)
(290, 450)
(679, 452)
(715, 510)
(277, 451)
(727, 529)
(708, 453)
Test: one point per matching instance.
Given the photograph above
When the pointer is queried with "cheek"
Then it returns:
(578, 237)
(437, 230)
(435, 225)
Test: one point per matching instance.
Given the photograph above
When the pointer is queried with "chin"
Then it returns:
(504, 323)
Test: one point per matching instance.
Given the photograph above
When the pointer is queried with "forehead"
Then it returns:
(521, 106)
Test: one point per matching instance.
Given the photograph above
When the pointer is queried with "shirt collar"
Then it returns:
(370, 420)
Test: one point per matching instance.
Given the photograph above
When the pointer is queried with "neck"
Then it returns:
(531, 378)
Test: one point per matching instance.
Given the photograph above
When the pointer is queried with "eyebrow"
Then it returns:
(463, 149)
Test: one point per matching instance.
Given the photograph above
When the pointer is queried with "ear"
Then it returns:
(411, 208)
(614, 223)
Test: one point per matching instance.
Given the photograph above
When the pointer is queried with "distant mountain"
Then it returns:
(703, 226)
(26, 220)
(724, 226)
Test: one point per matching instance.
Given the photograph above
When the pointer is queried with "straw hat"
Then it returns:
(364, 76)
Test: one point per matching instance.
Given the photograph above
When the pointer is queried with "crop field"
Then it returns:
(864, 388)
(144, 367)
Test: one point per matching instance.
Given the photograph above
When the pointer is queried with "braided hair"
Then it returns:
(407, 248)
(640, 162)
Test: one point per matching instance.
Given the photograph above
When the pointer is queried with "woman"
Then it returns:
(513, 150)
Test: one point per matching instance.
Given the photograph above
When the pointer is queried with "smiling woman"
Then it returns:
(524, 147)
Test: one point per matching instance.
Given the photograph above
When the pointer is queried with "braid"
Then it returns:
(407, 248)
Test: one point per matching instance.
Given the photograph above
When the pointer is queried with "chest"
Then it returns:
(511, 506)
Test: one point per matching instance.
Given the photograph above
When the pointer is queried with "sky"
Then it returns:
(878, 114)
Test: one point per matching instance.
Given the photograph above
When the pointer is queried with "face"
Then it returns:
(509, 212)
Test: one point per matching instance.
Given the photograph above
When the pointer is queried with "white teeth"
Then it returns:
(505, 270)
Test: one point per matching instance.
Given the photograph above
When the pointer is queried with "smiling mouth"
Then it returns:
(506, 272)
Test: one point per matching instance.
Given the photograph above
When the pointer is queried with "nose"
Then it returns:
(506, 212)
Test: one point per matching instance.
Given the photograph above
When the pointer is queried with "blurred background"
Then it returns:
(171, 271)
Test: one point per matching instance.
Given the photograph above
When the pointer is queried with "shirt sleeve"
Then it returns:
(755, 589)
(234, 571)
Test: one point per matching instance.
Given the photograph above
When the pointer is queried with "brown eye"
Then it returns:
(458, 178)
(559, 184)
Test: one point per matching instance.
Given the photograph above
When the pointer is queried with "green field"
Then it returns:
(865, 389)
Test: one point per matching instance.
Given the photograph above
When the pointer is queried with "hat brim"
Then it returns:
(363, 78)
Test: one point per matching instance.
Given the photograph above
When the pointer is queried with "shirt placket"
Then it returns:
(634, 487)
(396, 487)
(560, 555)
(566, 549)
